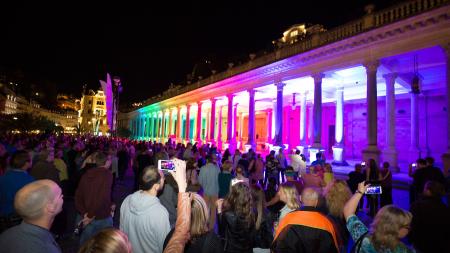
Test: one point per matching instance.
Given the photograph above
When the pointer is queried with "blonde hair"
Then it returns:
(292, 197)
(386, 226)
(199, 216)
(336, 195)
(259, 202)
(109, 240)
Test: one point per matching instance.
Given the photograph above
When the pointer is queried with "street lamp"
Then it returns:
(116, 89)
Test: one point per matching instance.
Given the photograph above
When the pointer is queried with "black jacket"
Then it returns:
(237, 236)
(301, 238)
(264, 235)
(429, 225)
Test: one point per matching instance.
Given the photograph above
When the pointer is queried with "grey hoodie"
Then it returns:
(145, 221)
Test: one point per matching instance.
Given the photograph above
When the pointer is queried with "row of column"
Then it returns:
(155, 126)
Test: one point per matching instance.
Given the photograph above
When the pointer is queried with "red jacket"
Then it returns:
(93, 195)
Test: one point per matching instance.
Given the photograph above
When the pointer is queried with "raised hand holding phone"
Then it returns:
(179, 174)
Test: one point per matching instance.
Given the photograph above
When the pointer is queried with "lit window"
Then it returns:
(294, 33)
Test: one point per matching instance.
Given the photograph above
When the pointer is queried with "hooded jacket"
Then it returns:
(145, 221)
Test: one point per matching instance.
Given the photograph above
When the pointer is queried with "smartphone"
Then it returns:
(414, 165)
(363, 164)
(166, 165)
(374, 190)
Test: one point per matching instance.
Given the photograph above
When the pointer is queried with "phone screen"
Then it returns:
(166, 165)
(374, 190)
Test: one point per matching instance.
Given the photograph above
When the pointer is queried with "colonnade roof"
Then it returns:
(395, 46)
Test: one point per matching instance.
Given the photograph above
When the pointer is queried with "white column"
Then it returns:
(338, 148)
(179, 124)
(188, 122)
(279, 115)
(208, 124)
(390, 152)
(163, 127)
(230, 121)
(235, 121)
(317, 122)
(212, 121)
(251, 120)
(274, 116)
(372, 151)
(170, 122)
(219, 129)
(199, 122)
(303, 119)
(414, 150)
(446, 156)
(316, 118)
(269, 126)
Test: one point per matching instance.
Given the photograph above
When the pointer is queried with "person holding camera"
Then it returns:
(389, 226)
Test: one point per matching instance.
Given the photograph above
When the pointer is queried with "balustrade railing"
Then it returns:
(369, 21)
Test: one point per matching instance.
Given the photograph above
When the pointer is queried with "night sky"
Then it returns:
(59, 48)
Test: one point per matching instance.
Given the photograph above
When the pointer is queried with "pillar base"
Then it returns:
(312, 153)
(338, 156)
(303, 150)
(390, 155)
(371, 152)
(276, 149)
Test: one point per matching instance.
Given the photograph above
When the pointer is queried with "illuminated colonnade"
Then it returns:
(355, 99)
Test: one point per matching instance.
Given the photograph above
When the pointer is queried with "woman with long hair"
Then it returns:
(109, 240)
(263, 223)
(192, 176)
(226, 156)
(201, 238)
(336, 195)
(237, 219)
(288, 194)
(389, 226)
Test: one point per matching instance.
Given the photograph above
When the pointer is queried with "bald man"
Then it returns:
(306, 230)
(37, 203)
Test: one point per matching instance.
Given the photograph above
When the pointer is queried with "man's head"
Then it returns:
(102, 159)
(290, 173)
(310, 197)
(297, 152)
(358, 167)
(318, 156)
(21, 160)
(430, 161)
(386, 165)
(39, 200)
(433, 189)
(272, 153)
(152, 179)
(421, 163)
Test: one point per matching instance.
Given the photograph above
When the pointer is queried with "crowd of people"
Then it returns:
(212, 202)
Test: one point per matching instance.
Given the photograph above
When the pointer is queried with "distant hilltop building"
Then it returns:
(297, 33)
(66, 102)
(92, 113)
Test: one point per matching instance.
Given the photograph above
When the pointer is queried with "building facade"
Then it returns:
(92, 113)
(377, 87)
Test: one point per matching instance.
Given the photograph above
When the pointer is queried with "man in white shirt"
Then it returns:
(298, 164)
